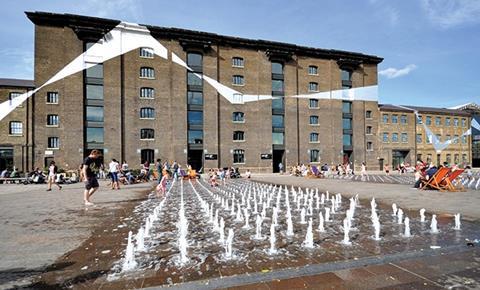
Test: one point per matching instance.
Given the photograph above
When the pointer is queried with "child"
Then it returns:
(162, 186)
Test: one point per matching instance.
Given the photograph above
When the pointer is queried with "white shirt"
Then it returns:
(113, 166)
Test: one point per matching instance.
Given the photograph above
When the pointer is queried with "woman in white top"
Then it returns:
(52, 175)
(114, 168)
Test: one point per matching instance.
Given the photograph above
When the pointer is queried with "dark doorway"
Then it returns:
(195, 159)
(380, 164)
(277, 159)
(147, 155)
(6, 158)
(47, 161)
(398, 157)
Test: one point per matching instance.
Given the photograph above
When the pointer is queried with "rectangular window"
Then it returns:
(237, 62)
(439, 138)
(438, 121)
(394, 137)
(347, 140)
(368, 131)
(94, 135)
(369, 146)
(195, 137)
(385, 137)
(456, 158)
(464, 122)
(147, 93)
(278, 121)
(238, 80)
(16, 128)
(419, 119)
(464, 139)
(385, 118)
(346, 107)
(313, 70)
(195, 98)
(53, 143)
(95, 71)
(277, 103)
(403, 119)
(455, 122)
(238, 136)
(314, 137)
(455, 140)
(404, 137)
(278, 138)
(368, 114)
(193, 79)
(195, 59)
(147, 73)
(419, 138)
(313, 104)
(313, 87)
(238, 117)
(447, 121)
(394, 119)
(146, 52)
(195, 117)
(277, 68)
(464, 158)
(94, 114)
(347, 123)
(277, 86)
(52, 120)
(14, 95)
(346, 75)
(428, 120)
(428, 139)
(449, 158)
(313, 120)
(52, 98)
(239, 156)
(94, 92)
(314, 155)
(147, 134)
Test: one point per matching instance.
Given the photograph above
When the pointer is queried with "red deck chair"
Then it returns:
(436, 181)
(451, 177)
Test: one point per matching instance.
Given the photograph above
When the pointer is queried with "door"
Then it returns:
(277, 159)
(195, 159)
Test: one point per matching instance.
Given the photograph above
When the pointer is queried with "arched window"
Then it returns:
(238, 117)
(313, 120)
(238, 80)
(147, 93)
(146, 155)
(147, 73)
(52, 120)
(237, 61)
(314, 155)
(146, 52)
(313, 137)
(313, 87)
(238, 156)
(147, 113)
(147, 134)
(313, 70)
(238, 136)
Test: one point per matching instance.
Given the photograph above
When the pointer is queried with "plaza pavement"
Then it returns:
(37, 227)
(466, 203)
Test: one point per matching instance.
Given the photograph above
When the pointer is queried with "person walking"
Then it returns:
(52, 176)
(89, 177)
(114, 168)
(280, 167)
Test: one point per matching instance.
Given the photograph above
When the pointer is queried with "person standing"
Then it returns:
(280, 167)
(89, 177)
(52, 176)
(175, 170)
(387, 169)
(158, 166)
(114, 168)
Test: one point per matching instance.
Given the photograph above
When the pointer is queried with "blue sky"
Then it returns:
(431, 48)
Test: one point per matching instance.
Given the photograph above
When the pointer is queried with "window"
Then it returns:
(52, 120)
(313, 70)
(278, 121)
(368, 114)
(455, 140)
(313, 104)
(394, 137)
(346, 75)
(238, 156)
(52, 142)
(95, 71)
(346, 107)
(314, 155)
(277, 86)
(448, 138)
(404, 137)
(195, 98)
(403, 119)
(94, 92)
(313, 120)
(347, 140)
(278, 138)
(147, 155)
(194, 59)
(237, 99)
(347, 123)
(368, 130)
(13, 95)
(238, 117)
(146, 52)
(464, 122)
(16, 128)
(147, 113)
(447, 121)
(94, 114)
(147, 93)
(385, 137)
(439, 138)
(455, 122)
(313, 87)
(428, 139)
(314, 137)
(237, 62)
(369, 146)
(195, 117)
(238, 136)
(147, 134)
(277, 68)
(419, 138)
(449, 158)
(456, 158)
(94, 135)
(195, 137)
(438, 121)
(394, 119)
(193, 79)
(238, 80)
(385, 118)
(428, 120)
(464, 158)
(52, 98)
(147, 72)
(419, 119)
(464, 139)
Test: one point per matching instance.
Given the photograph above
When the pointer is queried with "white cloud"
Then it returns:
(450, 13)
(117, 9)
(392, 73)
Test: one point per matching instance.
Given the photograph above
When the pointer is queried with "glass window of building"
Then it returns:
(146, 52)
(238, 80)
(464, 158)
(403, 119)
(439, 137)
(313, 104)
(94, 114)
(95, 71)
(428, 139)
(312, 70)
(385, 137)
(147, 134)
(147, 73)
(193, 79)
(449, 158)
(238, 156)
(238, 136)
(313, 137)
(369, 146)
(368, 114)
(277, 86)
(238, 117)
(52, 120)
(313, 87)
(347, 123)
(195, 137)
(419, 138)
(419, 119)
(195, 98)
(394, 119)
(448, 138)
(368, 130)
(455, 140)
(404, 137)
(195, 117)
(147, 93)
(428, 120)
(94, 135)
(464, 139)
(278, 121)
(147, 113)
(314, 155)
(455, 122)
(237, 61)
(194, 59)
(456, 158)
(94, 92)
(277, 138)
(52, 98)
(53, 143)
(394, 137)
(347, 140)
(13, 95)
(346, 107)
(313, 120)
(16, 128)
(385, 118)
(346, 75)
(464, 122)
(438, 121)
(277, 68)
(447, 121)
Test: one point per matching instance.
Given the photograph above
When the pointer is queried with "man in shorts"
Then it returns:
(89, 177)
